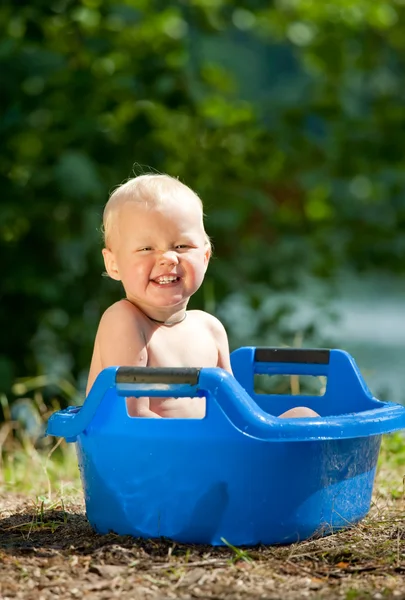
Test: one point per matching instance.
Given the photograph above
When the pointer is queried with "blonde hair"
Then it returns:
(150, 190)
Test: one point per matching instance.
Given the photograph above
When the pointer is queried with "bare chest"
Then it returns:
(182, 347)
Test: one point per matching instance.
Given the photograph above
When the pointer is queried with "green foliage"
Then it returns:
(391, 463)
(238, 554)
(28, 471)
(393, 451)
(286, 117)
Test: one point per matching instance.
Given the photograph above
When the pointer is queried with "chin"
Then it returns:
(171, 304)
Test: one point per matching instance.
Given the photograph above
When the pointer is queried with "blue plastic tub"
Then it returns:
(239, 475)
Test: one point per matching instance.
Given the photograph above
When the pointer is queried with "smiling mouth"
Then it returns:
(166, 279)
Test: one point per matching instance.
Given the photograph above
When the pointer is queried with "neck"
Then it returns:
(171, 319)
(169, 322)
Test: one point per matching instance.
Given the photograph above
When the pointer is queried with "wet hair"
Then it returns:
(149, 190)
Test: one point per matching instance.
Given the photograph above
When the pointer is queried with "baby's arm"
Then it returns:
(121, 342)
(221, 338)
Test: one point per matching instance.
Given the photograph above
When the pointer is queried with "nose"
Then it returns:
(169, 258)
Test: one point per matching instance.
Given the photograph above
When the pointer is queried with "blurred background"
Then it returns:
(286, 116)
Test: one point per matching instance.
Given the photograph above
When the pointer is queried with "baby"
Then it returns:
(156, 245)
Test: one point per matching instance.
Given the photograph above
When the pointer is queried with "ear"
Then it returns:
(207, 255)
(111, 264)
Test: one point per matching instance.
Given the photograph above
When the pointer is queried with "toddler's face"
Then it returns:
(159, 253)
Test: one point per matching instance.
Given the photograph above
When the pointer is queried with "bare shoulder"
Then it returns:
(213, 324)
(121, 314)
(122, 307)
(120, 340)
(121, 335)
(122, 323)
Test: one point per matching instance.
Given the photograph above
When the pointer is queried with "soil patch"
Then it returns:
(54, 553)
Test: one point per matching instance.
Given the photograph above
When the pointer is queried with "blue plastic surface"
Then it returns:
(240, 474)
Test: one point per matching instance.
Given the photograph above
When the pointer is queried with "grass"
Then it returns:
(31, 463)
(238, 554)
(390, 480)
(41, 521)
(48, 474)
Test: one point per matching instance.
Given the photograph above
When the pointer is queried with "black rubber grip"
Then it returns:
(314, 356)
(169, 375)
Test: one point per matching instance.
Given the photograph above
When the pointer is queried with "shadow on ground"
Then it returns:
(59, 530)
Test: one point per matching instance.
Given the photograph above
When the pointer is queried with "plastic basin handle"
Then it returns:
(293, 355)
(127, 381)
(169, 375)
(291, 361)
(157, 381)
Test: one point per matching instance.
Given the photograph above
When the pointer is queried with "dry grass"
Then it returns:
(53, 553)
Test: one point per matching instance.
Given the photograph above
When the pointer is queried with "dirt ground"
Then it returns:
(54, 554)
